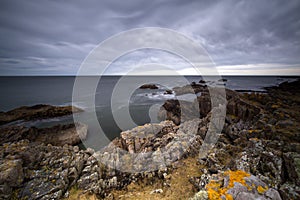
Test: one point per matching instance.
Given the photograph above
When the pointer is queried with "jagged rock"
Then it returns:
(42, 172)
(289, 191)
(11, 172)
(180, 111)
(292, 164)
(193, 89)
(272, 194)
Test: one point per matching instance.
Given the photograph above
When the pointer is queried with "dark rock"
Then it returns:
(222, 80)
(292, 164)
(149, 86)
(168, 92)
(289, 191)
(179, 111)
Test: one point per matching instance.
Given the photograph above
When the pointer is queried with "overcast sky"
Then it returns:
(52, 37)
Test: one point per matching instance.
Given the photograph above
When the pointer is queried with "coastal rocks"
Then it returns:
(70, 134)
(140, 139)
(11, 172)
(242, 109)
(292, 164)
(168, 92)
(35, 112)
(36, 171)
(193, 89)
(149, 86)
(150, 147)
(179, 110)
(58, 135)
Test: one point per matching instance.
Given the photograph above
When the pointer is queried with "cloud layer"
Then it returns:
(242, 37)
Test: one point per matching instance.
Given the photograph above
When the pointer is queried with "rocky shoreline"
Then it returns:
(257, 155)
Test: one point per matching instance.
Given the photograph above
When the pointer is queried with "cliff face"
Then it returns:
(256, 156)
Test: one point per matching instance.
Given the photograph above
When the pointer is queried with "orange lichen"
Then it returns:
(215, 189)
(261, 189)
(228, 196)
(253, 131)
(236, 176)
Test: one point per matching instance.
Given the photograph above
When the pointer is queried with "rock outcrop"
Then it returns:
(149, 86)
(59, 135)
(179, 110)
(35, 112)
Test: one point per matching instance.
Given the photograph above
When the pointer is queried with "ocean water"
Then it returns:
(112, 95)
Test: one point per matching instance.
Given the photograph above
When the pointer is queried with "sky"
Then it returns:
(53, 37)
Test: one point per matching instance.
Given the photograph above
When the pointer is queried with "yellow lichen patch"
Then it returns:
(252, 131)
(216, 190)
(261, 189)
(229, 196)
(236, 176)
(275, 106)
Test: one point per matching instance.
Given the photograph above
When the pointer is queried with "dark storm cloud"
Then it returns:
(53, 37)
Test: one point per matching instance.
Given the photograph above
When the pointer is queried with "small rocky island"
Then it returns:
(257, 155)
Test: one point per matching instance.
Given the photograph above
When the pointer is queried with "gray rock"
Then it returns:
(272, 194)
(249, 196)
(11, 172)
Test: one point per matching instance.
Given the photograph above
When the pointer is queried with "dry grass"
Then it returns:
(76, 194)
(180, 187)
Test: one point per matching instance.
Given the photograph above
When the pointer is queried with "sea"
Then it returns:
(111, 95)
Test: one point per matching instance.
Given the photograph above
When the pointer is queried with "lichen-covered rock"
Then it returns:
(11, 172)
(292, 164)
(37, 171)
(237, 185)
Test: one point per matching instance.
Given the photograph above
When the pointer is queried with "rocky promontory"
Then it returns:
(40, 111)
